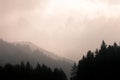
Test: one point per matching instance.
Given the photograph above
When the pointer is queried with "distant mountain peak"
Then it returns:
(30, 44)
(34, 47)
(16, 52)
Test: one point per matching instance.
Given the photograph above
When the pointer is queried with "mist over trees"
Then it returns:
(27, 72)
(14, 53)
(103, 64)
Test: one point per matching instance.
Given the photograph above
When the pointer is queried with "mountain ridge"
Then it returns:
(46, 52)
(16, 52)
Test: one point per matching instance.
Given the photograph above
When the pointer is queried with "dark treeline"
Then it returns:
(27, 72)
(103, 64)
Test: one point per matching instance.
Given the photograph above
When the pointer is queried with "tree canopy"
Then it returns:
(27, 72)
(103, 64)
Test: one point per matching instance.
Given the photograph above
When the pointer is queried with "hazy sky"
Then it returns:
(68, 28)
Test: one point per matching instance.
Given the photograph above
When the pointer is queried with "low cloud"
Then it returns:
(16, 5)
(68, 32)
(109, 2)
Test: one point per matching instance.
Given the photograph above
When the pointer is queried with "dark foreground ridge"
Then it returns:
(104, 64)
(26, 72)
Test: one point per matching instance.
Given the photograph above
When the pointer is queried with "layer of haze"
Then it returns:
(68, 28)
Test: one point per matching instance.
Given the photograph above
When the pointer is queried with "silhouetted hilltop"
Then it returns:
(104, 64)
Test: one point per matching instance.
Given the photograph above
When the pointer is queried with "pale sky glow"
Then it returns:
(68, 28)
(93, 8)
